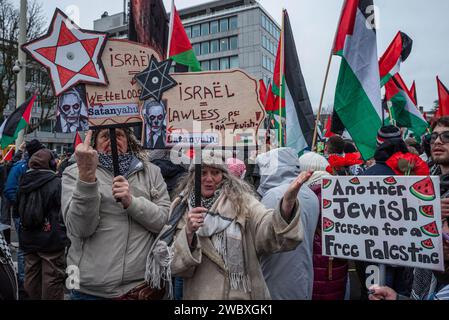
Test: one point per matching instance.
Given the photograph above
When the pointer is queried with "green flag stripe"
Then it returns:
(356, 111)
(188, 58)
(7, 140)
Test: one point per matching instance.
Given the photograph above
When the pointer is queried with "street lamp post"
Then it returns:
(21, 76)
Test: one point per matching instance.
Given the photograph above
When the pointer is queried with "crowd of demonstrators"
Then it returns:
(140, 235)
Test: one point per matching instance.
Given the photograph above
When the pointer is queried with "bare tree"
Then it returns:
(37, 77)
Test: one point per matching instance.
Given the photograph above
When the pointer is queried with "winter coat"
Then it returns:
(110, 244)
(383, 153)
(171, 173)
(264, 231)
(297, 282)
(49, 185)
(12, 183)
(330, 274)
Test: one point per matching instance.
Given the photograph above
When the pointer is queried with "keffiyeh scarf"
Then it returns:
(124, 161)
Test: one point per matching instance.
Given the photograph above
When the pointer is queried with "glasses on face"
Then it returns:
(67, 107)
(444, 137)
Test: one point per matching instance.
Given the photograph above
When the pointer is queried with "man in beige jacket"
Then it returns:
(110, 239)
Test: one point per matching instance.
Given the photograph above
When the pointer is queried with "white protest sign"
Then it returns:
(387, 220)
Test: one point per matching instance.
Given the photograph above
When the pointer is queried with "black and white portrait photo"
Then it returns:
(71, 111)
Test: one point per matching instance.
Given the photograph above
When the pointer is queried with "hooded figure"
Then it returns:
(289, 275)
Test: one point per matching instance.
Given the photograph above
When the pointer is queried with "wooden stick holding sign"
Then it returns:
(198, 171)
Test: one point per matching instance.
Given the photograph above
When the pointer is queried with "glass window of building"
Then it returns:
(215, 64)
(204, 29)
(188, 31)
(224, 25)
(233, 43)
(197, 49)
(214, 46)
(205, 65)
(214, 27)
(224, 44)
(224, 63)
(234, 62)
(46, 126)
(264, 21)
(233, 23)
(205, 47)
(196, 31)
(264, 61)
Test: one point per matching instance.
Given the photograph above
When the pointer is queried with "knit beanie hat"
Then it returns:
(41, 160)
(388, 133)
(213, 159)
(236, 167)
(312, 161)
(33, 146)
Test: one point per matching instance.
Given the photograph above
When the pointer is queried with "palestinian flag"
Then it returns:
(180, 48)
(397, 52)
(292, 107)
(77, 140)
(16, 122)
(357, 97)
(403, 110)
(443, 100)
(413, 93)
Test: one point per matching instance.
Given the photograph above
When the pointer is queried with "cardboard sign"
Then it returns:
(118, 103)
(215, 108)
(387, 220)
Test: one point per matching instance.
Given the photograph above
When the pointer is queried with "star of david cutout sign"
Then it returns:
(155, 79)
(72, 55)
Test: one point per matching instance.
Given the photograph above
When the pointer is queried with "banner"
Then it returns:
(219, 108)
(386, 220)
(118, 103)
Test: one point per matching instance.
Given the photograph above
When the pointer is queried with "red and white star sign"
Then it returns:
(72, 55)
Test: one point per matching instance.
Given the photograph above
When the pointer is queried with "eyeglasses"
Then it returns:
(444, 137)
(152, 118)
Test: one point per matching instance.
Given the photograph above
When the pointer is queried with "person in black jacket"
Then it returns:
(42, 234)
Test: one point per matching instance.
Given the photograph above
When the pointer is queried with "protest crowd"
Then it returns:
(156, 244)
(358, 211)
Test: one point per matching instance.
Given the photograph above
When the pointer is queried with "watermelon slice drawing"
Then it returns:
(327, 204)
(428, 244)
(431, 229)
(424, 190)
(328, 225)
(326, 183)
(390, 181)
(427, 211)
(355, 181)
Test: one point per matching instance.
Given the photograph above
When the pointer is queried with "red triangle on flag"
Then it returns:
(66, 36)
(90, 45)
(48, 53)
(65, 75)
(77, 141)
(27, 114)
(443, 99)
(9, 155)
(328, 129)
(89, 70)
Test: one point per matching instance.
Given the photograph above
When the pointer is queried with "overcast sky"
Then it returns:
(314, 24)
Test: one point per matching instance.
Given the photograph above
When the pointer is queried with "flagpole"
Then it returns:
(325, 82)
(170, 28)
(281, 80)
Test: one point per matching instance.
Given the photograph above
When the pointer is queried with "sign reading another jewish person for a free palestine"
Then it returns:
(387, 220)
